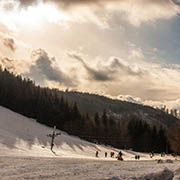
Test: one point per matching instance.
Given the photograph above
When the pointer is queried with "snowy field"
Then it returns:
(25, 154)
(17, 168)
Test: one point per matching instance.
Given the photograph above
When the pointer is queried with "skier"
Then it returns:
(138, 157)
(120, 154)
(112, 154)
(119, 157)
(97, 153)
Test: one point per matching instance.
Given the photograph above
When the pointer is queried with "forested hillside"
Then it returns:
(102, 120)
(120, 110)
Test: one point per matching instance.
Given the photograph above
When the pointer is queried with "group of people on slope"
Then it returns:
(112, 154)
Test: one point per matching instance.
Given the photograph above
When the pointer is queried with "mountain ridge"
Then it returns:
(92, 103)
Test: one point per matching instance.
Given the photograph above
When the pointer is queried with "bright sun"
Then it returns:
(33, 16)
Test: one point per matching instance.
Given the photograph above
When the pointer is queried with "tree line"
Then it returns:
(48, 107)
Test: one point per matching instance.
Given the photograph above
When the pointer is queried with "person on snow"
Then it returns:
(97, 153)
(112, 154)
(120, 153)
(119, 157)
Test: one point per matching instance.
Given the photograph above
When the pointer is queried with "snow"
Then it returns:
(25, 154)
(17, 168)
(21, 136)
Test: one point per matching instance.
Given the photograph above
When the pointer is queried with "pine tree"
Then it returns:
(104, 119)
(96, 119)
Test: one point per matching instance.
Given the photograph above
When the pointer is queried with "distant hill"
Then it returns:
(120, 110)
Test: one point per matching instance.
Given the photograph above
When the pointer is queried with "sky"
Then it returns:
(125, 49)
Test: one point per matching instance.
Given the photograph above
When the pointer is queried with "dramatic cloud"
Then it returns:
(120, 65)
(44, 68)
(176, 2)
(28, 2)
(150, 81)
(105, 59)
(9, 43)
(98, 75)
(107, 72)
(97, 2)
(135, 11)
(7, 63)
(100, 12)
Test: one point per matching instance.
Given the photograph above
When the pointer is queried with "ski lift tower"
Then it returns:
(52, 136)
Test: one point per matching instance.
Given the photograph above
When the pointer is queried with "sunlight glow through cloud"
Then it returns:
(33, 16)
(134, 41)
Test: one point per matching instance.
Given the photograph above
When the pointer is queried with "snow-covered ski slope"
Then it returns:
(22, 136)
(25, 154)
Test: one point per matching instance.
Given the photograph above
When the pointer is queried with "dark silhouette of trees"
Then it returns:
(43, 104)
(97, 120)
(104, 119)
(174, 138)
(146, 138)
(48, 107)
